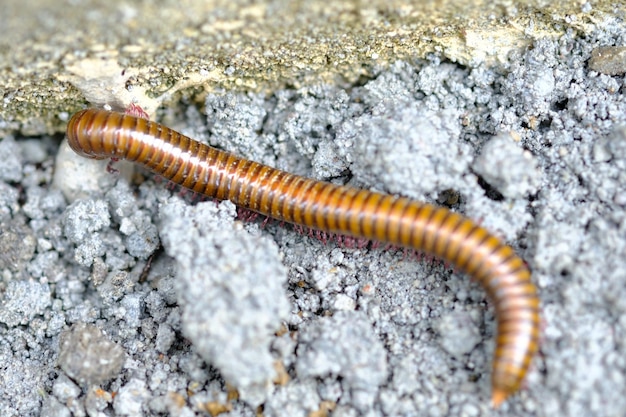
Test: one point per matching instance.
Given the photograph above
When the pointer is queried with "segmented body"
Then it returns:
(336, 209)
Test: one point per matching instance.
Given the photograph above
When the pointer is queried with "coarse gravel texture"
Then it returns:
(247, 317)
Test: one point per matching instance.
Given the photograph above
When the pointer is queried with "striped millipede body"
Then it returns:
(335, 209)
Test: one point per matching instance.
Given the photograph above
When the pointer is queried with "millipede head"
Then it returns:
(78, 136)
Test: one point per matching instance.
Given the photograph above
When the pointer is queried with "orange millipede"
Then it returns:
(100, 134)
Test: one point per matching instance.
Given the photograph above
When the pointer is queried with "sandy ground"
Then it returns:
(243, 318)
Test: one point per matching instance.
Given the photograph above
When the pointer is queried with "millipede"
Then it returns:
(335, 209)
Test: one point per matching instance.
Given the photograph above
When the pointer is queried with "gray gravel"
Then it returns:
(88, 357)
(534, 150)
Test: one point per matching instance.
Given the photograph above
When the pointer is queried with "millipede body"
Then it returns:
(336, 209)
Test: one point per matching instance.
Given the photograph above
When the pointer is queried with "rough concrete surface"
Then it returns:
(122, 297)
(58, 54)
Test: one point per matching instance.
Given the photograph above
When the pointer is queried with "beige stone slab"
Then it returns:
(55, 57)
